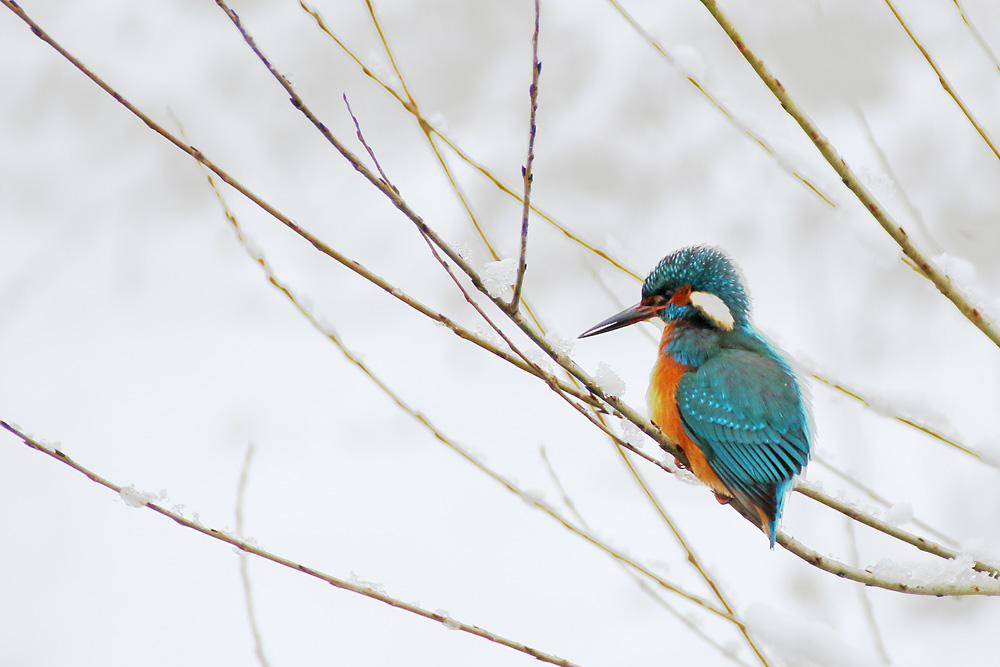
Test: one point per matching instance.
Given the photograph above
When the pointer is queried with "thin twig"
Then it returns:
(915, 214)
(244, 546)
(944, 81)
(979, 38)
(691, 556)
(866, 603)
(371, 153)
(938, 277)
(536, 70)
(728, 113)
(410, 104)
(258, 644)
(923, 428)
(535, 369)
(692, 626)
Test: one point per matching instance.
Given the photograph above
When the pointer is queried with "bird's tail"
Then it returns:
(762, 510)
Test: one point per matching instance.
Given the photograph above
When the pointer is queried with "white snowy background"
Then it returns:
(137, 334)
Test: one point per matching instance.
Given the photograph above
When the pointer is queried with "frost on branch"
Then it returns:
(938, 571)
(560, 344)
(631, 434)
(133, 498)
(498, 278)
(608, 380)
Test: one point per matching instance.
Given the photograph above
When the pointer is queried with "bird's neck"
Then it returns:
(690, 343)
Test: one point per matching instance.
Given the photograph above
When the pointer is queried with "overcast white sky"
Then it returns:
(137, 334)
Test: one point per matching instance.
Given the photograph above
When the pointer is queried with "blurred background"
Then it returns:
(138, 335)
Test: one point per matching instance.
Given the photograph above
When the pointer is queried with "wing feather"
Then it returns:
(744, 410)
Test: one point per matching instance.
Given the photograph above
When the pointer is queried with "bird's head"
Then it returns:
(696, 282)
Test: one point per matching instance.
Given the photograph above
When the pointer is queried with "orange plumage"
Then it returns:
(662, 401)
(663, 411)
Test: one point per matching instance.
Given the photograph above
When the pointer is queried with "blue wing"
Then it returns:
(744, 409)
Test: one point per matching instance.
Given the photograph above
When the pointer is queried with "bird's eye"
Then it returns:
(658, 301)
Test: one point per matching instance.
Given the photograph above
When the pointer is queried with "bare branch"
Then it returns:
(536, 69)
(371, 153)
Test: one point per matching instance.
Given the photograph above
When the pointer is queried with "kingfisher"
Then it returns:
(718, 389)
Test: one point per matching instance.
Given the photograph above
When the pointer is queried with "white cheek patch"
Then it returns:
(714, 309)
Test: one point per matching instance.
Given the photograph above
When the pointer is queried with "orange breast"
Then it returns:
(663, 411)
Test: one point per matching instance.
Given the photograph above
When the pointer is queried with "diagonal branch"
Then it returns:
(944, 80)
(938, 277)
(728, 113)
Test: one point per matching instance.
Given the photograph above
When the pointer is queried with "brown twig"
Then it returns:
(536, 70)
(371, 153)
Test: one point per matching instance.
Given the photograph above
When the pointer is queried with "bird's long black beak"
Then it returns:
(637, 313)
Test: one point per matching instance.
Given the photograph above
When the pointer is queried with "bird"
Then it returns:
(718, 389)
